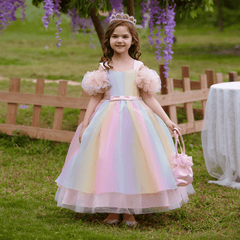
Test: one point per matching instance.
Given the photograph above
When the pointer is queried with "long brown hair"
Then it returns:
(133, 51)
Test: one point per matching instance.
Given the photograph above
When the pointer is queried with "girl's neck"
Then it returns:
(122, 63)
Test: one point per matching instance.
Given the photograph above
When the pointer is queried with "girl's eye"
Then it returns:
(125, 36)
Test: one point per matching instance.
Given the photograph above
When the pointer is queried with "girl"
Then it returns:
(122, 161)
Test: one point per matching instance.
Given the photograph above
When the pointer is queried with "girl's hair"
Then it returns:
(133, 51)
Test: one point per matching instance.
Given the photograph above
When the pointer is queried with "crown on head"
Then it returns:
(123, 16)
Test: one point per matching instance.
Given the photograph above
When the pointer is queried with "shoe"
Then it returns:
(110, 222)
(129, 223)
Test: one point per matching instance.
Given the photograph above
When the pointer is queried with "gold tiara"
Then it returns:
(122, 16)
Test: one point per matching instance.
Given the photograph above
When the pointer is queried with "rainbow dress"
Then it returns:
(123, 163)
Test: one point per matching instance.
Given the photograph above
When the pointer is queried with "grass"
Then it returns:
(29, 167)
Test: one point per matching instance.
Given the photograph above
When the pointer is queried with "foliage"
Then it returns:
(185, 7)
(83, 6)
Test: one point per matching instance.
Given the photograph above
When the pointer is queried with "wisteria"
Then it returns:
(156, 18)
(53, 8)
(75, 21)
(169, 25)
(117, 6)
(145, 5)
(8, 9)
(161, 17)
(56, 10)
(48, 7)
(78, 23)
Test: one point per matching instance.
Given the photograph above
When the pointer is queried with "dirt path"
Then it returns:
(72, 83)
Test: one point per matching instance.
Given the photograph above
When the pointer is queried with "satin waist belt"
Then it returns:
(118, 98)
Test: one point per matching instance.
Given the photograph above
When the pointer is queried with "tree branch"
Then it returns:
(97, 24)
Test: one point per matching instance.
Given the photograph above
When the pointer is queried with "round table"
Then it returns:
(221, 134)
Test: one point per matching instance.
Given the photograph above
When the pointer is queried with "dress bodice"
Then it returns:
(122, 84)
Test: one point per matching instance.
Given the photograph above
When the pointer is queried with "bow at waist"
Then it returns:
(118, 98)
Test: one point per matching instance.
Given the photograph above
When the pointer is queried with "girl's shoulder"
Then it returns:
(138, 64)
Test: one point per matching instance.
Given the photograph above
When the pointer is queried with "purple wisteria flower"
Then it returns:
(53, 8)
(161, 17)
(154, 15)
(56, 10)
(8, 9)
(145, 5)
(23, 106)
(117, 5)
(75, 21)
(78, 23)
(48, 7)
(168, 40)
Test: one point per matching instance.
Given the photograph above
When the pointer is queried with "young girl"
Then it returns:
(119, 160)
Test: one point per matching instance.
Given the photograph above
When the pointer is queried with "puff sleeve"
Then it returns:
(95, 82)
(148, 80)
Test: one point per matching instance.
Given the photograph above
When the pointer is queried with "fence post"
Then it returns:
(172, 108)
(58, 115)
(219, 77)
(189, 107)
(210, 77)
(14, 86)
(203, 85)
(37, 108)
(233, 76)
(163, 85)
(163, 79)
(82, 111)
(185, 74)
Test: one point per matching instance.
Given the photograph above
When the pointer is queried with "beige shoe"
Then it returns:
(131, 220)
(130, 223)
(110, 222)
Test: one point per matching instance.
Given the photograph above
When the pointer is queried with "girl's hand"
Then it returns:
(81, 133)
(170, 124)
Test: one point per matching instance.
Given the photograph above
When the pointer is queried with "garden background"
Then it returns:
(29, 167)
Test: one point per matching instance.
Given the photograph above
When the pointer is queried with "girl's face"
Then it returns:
(121, 39)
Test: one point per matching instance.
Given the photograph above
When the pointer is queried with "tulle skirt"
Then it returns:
(123, 164)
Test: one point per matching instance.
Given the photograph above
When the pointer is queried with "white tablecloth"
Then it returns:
(221, 134)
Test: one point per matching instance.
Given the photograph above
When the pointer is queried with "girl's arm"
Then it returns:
(155, 106)
(152, 102)
(94, 101)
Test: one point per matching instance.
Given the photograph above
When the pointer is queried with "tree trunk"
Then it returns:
(97, 24)
(130, 7)
(220, 22)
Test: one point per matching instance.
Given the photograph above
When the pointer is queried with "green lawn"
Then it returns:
(28, 211)
(29, 167)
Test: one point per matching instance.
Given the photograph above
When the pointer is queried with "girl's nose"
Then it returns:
(119, 40)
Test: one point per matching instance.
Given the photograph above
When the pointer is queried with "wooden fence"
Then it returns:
(192, 91)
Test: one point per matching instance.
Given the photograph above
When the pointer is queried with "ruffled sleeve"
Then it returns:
(148, 80)
(95, 82)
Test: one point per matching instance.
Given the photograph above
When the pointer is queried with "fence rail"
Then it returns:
(192, 91)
